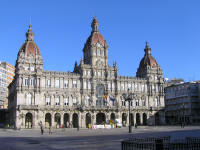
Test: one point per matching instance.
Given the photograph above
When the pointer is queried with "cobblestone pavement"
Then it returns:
(84, 139)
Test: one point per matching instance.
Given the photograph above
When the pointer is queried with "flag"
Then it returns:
(112, 99)
(105, 97)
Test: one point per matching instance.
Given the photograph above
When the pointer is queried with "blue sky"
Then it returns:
(62, 27)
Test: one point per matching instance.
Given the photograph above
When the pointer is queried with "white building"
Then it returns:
(182, 103)
(92, 93)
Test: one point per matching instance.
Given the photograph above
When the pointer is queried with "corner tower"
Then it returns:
(29, 57)
(95, 50)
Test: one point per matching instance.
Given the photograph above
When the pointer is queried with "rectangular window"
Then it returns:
(123, 103)
(89, 85)
(48, 83)
(57, 101)
(74, 84)
(109, 86)
(122, 87)
(57, 84)
(84, 85)
(48, 101)
(66, 84)
(74, 101)
(26, 82)
(66, 101)
(129, 86)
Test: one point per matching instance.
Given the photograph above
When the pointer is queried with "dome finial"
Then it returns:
(29, 34)
(147, 49)
(95, 24)
(147, 44)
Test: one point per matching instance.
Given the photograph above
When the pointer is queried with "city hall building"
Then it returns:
(91, 94)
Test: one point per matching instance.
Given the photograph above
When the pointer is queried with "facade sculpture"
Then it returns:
(91, 94)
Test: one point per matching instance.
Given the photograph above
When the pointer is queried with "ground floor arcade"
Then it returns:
(74, 119)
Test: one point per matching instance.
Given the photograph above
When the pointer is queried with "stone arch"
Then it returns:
(124, 119)
(112, 116)
(57, 120)
(75, 120)
(144, 119)
(100, 118)
(28, 120)
(138, 118)
(87, 119)
(66, 119)
(47, 120)
(132, 119)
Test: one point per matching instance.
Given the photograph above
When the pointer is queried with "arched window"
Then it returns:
(29, 99)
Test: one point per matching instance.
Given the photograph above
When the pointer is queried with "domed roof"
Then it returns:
(95, 36)
(29, 47)
(148, 59)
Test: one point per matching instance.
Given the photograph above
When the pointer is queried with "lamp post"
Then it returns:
(128, 97)
(183, 105)
(79, 108)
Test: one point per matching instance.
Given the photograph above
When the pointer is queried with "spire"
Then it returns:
(29, 34)
(147, 49)
(95, 25)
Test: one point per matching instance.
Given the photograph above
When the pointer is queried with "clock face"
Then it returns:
(98, 45)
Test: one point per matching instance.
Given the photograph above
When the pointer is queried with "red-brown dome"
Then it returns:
(148, 59)
(30, 48)
(95, 36)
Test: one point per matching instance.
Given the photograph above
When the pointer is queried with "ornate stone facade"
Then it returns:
(91, 94)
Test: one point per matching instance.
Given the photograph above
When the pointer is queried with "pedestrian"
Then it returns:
(42, 130)
(50, 132)
(136, 125)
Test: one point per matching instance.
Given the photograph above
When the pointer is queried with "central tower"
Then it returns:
(95, 50)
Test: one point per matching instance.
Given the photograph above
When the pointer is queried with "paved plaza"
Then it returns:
(84, 139)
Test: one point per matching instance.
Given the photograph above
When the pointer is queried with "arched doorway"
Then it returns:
(75, 120)
(138, 119)
(132, 119)
(47, 120)
(57, 120)
(66, 120)
(28, 121)
(112, 116)
(88, 119)
(100, 118)
(157, 119)
(124, 119)
(144, 119)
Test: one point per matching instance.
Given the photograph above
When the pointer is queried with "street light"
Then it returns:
(79, 108)
(128, 97)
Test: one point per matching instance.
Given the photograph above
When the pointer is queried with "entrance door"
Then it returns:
(138, 119)
(75, 120)
(47, 120)
(57, 120)
(124, 119)
(144, 119)
(88, 119)
(100, 118)
(28, 121)
(157, 119)
(132, 119)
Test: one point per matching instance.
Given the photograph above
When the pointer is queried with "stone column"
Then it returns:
(141, 118)
(61, 119)
(52, 120)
